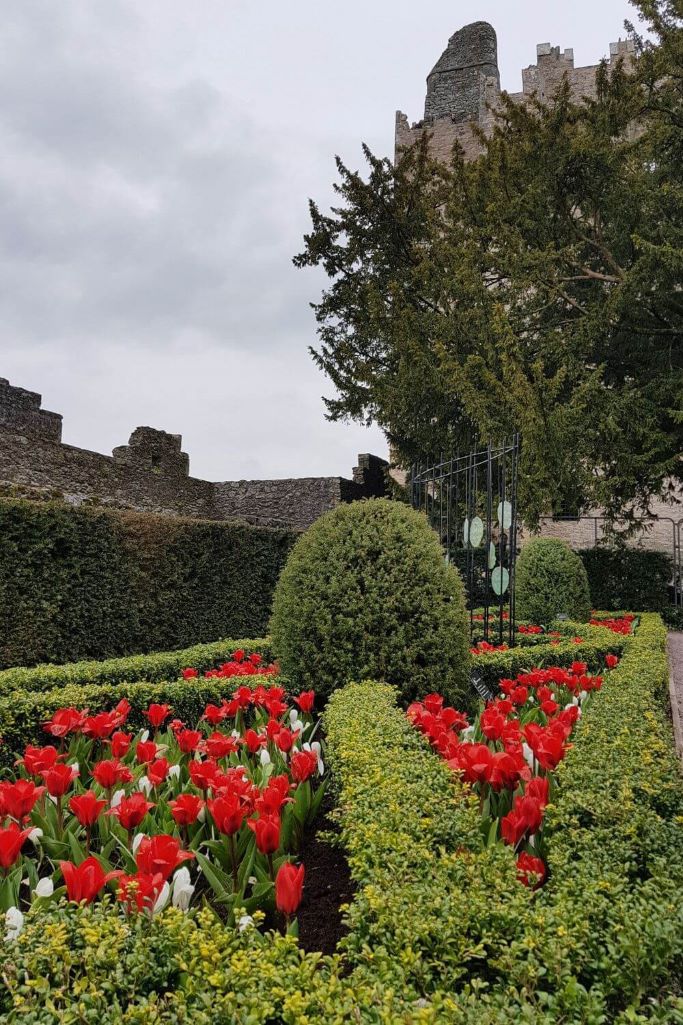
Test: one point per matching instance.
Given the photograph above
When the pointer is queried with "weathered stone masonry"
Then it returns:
(152, 473)
(463, 88)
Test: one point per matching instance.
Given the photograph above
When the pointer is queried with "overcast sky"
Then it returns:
(156, 158)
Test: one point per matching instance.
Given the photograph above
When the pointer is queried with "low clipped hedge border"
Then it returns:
(91, 582)
(162, 665)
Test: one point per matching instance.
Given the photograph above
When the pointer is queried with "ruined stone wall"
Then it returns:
(151, 473)
(463, 88)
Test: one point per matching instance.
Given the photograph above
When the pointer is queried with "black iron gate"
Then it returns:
(471, 501)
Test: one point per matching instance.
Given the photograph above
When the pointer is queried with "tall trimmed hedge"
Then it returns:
(367, 592)
(94, 583)
(634, 579)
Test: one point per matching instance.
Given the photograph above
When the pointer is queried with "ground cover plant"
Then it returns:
(210, 810)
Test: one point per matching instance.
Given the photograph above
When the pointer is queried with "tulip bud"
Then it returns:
(45, 887)
(14, 923)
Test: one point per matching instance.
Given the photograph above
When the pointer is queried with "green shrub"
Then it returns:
(162, 665)
(366, 591)
(550, 580)
(94, 583)
(628, 579)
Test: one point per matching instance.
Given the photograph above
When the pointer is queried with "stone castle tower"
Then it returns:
(463, 88)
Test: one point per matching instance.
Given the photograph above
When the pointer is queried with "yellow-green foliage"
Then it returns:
(366, 593)
(441, 933)
(155, 668)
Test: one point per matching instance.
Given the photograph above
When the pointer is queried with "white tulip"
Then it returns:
(182, 889)
(45, 887)
(202, 815)
(583, 695)
(117, 798)
(264, 757)
(162, 900)
(467, 733)
(145, 737)
(137, 840)
(14, 923)
(245, 922)
(35, 835)
(174, 771)
(528, 755)
(293, 716)
(145, 785)
(75, 768)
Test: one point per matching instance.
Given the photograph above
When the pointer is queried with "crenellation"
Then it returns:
(463, 89)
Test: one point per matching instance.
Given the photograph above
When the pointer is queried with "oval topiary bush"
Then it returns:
(551, 579)
(366, 594)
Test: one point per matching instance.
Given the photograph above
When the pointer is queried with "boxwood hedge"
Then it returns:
(162, 665)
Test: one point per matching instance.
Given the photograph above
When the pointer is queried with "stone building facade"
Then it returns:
(152, 473)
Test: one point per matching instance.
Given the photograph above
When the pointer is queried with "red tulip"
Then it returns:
(64, 721)
(267, 832)
(59, 778)
(87, 807)
(17, 799)
(253, 740)
(189, 674)
(98, 727)
(12, 839)
(289, 884)
(84, 881)
(228, 812)
(303, 765)
(611, 661)
(120, 742)
(157, 771)
(492, 723)
(215, 714)
(160, 855)
(530, 870)
(131, 810)
(37, 760)
(305, 700)
(203, 774)
(218, 745)
(539, 788)
(157, 715)
(188, 740)
(141, 891)
(110, 772)
(285, 739)
(531, 810)
(513, 827)
(186, 808)
(146, 751)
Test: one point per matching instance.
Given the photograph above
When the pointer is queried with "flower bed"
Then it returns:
(230, 796)
(441, 931)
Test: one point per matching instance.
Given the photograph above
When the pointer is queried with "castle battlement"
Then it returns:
(463, 88)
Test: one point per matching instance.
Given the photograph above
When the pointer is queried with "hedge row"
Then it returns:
(628, 578)
(161, 665)
(22, 714)
(440, 930)
(95, 583)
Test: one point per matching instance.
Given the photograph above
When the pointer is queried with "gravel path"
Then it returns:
(675, 652)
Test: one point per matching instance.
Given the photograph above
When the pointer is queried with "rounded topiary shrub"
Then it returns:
(550, 579)
(366, 594)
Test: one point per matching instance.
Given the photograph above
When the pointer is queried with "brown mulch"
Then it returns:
(327, 884)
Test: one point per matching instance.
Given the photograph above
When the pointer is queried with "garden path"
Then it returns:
(675, 651)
